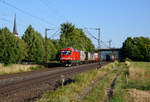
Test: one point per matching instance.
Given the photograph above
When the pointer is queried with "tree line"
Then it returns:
(136, 49)
(31, 46)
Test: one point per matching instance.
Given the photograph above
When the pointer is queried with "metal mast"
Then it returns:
(98, 38)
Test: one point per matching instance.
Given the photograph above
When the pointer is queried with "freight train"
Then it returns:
(71, 56)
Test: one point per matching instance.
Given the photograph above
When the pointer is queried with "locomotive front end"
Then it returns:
(66, 56)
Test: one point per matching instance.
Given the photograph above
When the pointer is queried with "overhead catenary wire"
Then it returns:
(27, 13)
(6, 20)
(96, 38)
(55, 34)
(55, 11)
(101, 43)
(86, 30)
(10, 22)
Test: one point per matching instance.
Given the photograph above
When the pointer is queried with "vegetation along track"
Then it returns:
(25, 88)
(93, 84)
(110, 91)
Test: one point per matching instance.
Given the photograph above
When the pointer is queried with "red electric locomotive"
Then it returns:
(69, 56)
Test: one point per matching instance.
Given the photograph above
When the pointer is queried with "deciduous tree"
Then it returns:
(12, 48)
(35, 45)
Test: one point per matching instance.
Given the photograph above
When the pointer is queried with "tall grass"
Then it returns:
(119, 92)
(99, 92)
(15, 68)
(138, 96)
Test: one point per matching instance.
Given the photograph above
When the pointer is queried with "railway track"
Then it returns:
(24, 88)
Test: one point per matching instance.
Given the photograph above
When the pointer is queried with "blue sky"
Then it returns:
(118, 19)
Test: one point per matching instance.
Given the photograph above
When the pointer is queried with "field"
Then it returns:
(138, 83)
(132, 85)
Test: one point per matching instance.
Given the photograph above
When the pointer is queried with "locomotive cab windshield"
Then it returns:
(65, 52)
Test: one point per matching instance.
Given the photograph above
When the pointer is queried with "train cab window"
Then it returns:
(65, 52)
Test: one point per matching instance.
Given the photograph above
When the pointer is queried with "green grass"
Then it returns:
(140, 85)
(119, 91)
(143, 65)
(142, 72)
(99, 92)
(69, 92)
(140, 81)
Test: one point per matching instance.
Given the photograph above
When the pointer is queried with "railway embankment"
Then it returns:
(83, 85)
(31, 85)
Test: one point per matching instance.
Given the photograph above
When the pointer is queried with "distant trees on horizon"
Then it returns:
(136, 49)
